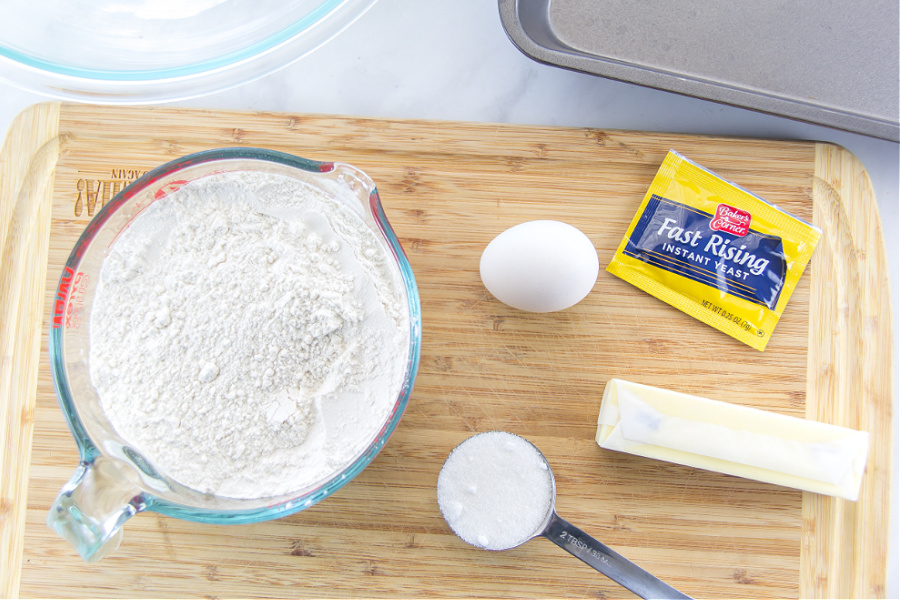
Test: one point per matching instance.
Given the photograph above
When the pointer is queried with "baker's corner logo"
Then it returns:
(93, 193)
(731, 220)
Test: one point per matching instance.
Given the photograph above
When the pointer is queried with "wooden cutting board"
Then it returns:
(448, 189)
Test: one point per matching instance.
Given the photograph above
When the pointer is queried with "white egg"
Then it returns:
(540, 266)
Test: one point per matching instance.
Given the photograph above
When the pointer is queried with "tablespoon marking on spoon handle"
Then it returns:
(607, 561)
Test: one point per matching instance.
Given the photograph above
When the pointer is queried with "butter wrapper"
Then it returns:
(732, 439)
(715, 251)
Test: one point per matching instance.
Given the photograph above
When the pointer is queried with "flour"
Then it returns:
(247, 336)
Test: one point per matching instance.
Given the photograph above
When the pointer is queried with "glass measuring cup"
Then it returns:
(496, 491)
(114, 481)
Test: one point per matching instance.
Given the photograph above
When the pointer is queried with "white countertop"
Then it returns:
(454, 61)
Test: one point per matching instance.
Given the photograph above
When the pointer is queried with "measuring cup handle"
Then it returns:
(92, 507)
(607, 561)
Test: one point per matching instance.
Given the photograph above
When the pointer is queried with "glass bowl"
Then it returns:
(137, 51)
(114, 481)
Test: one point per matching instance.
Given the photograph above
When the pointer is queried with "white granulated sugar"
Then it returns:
(495, 490)
(248, 335)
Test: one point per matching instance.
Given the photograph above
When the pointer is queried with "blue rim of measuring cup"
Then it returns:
(146, 500)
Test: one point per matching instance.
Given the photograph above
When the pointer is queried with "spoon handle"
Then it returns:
(610, 563)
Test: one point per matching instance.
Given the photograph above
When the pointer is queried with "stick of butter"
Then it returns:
(737, 440)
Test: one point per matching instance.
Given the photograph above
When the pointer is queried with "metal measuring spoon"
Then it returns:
(493, 478)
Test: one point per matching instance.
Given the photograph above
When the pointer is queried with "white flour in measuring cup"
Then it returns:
(247, 335)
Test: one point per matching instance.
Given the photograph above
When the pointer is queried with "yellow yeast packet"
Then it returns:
(715, 251)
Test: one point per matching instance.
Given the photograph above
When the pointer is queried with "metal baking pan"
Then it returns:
(827, 62)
